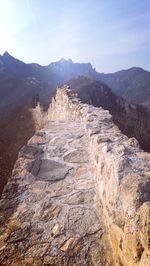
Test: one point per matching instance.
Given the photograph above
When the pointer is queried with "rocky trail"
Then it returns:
(50, 210)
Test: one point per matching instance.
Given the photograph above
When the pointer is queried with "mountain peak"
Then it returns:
(6, 54)
(9, 59)
(136, 69)
(63, 60)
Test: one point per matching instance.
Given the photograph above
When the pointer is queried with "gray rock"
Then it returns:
(83, 221)
(52, 170)
(30, 151)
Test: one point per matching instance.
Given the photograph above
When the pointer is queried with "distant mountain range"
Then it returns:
(30, 80)
(132, 84)
(23, 85)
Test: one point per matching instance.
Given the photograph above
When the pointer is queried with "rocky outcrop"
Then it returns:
(77, 183)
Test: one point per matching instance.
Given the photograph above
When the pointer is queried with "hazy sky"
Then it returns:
(111, 34)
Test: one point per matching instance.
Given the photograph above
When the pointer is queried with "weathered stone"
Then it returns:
(30, 151)
(40, 140)
(19, 235)
(57, 230)
(37, 250)
(60, 188)
(56, 151)
(50, 212)
(69, 244)
(83, 221)
(80, 197)
(80, 171)
(85, 180)
(34, 166)
(51, 189)
(56, 261)
(29, 262)
(52, 170)
(78, 156)
(58, 142)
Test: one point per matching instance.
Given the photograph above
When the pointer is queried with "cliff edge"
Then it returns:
(77, 185)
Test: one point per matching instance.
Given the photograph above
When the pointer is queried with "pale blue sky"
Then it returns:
(111, 34)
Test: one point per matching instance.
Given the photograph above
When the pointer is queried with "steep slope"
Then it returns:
(20, 82)
(132, 84)
(15, 130)
(132, 119)
(94, 92)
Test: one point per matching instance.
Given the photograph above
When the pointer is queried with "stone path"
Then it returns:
(50, 213)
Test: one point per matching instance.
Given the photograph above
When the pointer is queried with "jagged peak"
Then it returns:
(69, 60)
(63, 60)
(6, 54)
(8, 57)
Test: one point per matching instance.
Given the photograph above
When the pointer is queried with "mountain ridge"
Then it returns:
(132, 84)
(23, 85)
(71, 61)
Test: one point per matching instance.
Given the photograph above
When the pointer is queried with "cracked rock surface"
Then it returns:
(49, 212)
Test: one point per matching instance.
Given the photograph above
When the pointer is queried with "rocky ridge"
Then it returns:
(77, 182)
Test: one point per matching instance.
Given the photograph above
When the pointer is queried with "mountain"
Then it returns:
(132, 84)
(93, 92)
(20, 82)
(23, 85)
